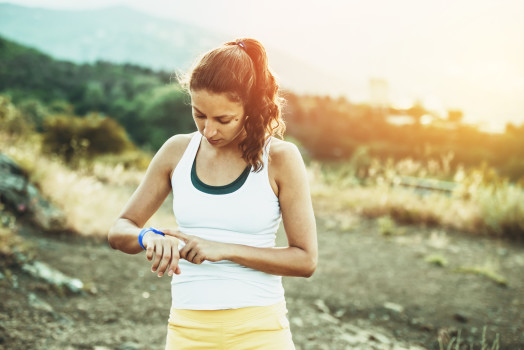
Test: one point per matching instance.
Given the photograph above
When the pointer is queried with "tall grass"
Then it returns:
(91, 197)
(92, 193)
(481, 202)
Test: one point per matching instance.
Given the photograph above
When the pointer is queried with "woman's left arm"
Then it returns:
(299, 258)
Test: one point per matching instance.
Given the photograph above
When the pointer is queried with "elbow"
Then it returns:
(111, 239)
(310, 267)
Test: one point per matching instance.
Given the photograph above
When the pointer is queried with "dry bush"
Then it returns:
(481, 203)
(90, 205)
(91, 197)
(75, 139)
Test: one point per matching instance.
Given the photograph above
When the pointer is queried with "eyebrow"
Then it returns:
(218, 116)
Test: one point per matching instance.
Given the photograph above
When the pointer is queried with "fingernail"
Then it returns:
(160, 274)
(170, 273)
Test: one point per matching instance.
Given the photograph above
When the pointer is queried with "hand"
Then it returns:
(163, 250)
(197, 250)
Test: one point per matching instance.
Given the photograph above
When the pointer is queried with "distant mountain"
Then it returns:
(116, 34)
(123, 35)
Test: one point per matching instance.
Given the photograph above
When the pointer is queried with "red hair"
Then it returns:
(240, 69)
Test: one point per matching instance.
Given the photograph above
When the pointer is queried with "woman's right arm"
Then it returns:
(146, 200)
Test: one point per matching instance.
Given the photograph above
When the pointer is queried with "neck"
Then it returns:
(232, 149)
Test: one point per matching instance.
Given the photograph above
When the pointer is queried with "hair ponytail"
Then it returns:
(240, 69)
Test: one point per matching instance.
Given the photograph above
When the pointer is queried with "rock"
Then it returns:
(14, 281)
(47, 273)
(340, 312)
(394, 307)
(379, 338)
(297, 321)
(129, 346)
(351, 339)
(23, 198)
(427, 327)
(321, 306)
(39, 304)
(329, 318)
(460, 317)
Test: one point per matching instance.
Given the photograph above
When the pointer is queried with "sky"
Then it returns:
(462, 54)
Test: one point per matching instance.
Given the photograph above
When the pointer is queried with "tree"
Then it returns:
(455, 115)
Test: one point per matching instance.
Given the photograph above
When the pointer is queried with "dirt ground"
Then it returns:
(370, 291)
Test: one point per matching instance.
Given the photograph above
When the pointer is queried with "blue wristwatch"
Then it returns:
(146, 230)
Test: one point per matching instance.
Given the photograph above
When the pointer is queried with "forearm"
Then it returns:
(124, 236)
(283, 261)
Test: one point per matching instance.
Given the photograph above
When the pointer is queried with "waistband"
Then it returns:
(229, 315)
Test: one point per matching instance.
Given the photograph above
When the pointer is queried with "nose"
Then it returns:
(210, 129)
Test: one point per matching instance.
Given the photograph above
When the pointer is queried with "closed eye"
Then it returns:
(219, 120)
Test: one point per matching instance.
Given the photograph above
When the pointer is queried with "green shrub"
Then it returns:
(387, 226)
(12, 120)
(75, 138)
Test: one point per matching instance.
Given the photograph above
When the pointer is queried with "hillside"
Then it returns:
(152, 108)
(115, 34)
(123, 35)
(145, 102)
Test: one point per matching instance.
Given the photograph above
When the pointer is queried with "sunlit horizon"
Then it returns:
(447, 55)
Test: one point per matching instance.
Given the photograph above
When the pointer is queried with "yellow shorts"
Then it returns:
(257, 328)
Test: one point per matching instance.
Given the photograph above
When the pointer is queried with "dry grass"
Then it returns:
(480, 204)
(488, 270)
(92, 195)
(91, 199)
(455, 343)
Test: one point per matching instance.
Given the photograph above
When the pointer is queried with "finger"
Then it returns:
(199, 259)
(173, 267)
(165, 259)
(192, 255)
(149, 244)
(185, 250)
(177, 234)
(150, 250)
(159, 250)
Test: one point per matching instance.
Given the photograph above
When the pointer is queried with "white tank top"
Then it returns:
(245, 212)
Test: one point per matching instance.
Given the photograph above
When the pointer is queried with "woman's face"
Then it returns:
(219, 119)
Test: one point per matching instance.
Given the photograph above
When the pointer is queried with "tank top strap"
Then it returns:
(265, 154)
(260, 180)
(185, 163)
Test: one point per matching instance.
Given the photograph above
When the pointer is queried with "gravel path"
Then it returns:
(369, 292)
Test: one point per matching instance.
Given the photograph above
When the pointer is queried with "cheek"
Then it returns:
(199, 123)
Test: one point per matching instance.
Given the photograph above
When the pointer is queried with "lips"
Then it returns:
(213, 142)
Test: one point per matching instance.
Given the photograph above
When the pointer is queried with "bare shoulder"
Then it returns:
(282, 152)
(285, 159)
(178, 143)
(172, 150)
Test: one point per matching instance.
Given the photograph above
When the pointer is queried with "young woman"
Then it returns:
(232, 183)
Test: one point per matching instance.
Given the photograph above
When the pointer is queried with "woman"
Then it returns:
(232, 183)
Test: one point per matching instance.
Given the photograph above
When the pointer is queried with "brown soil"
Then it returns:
(369, 292)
